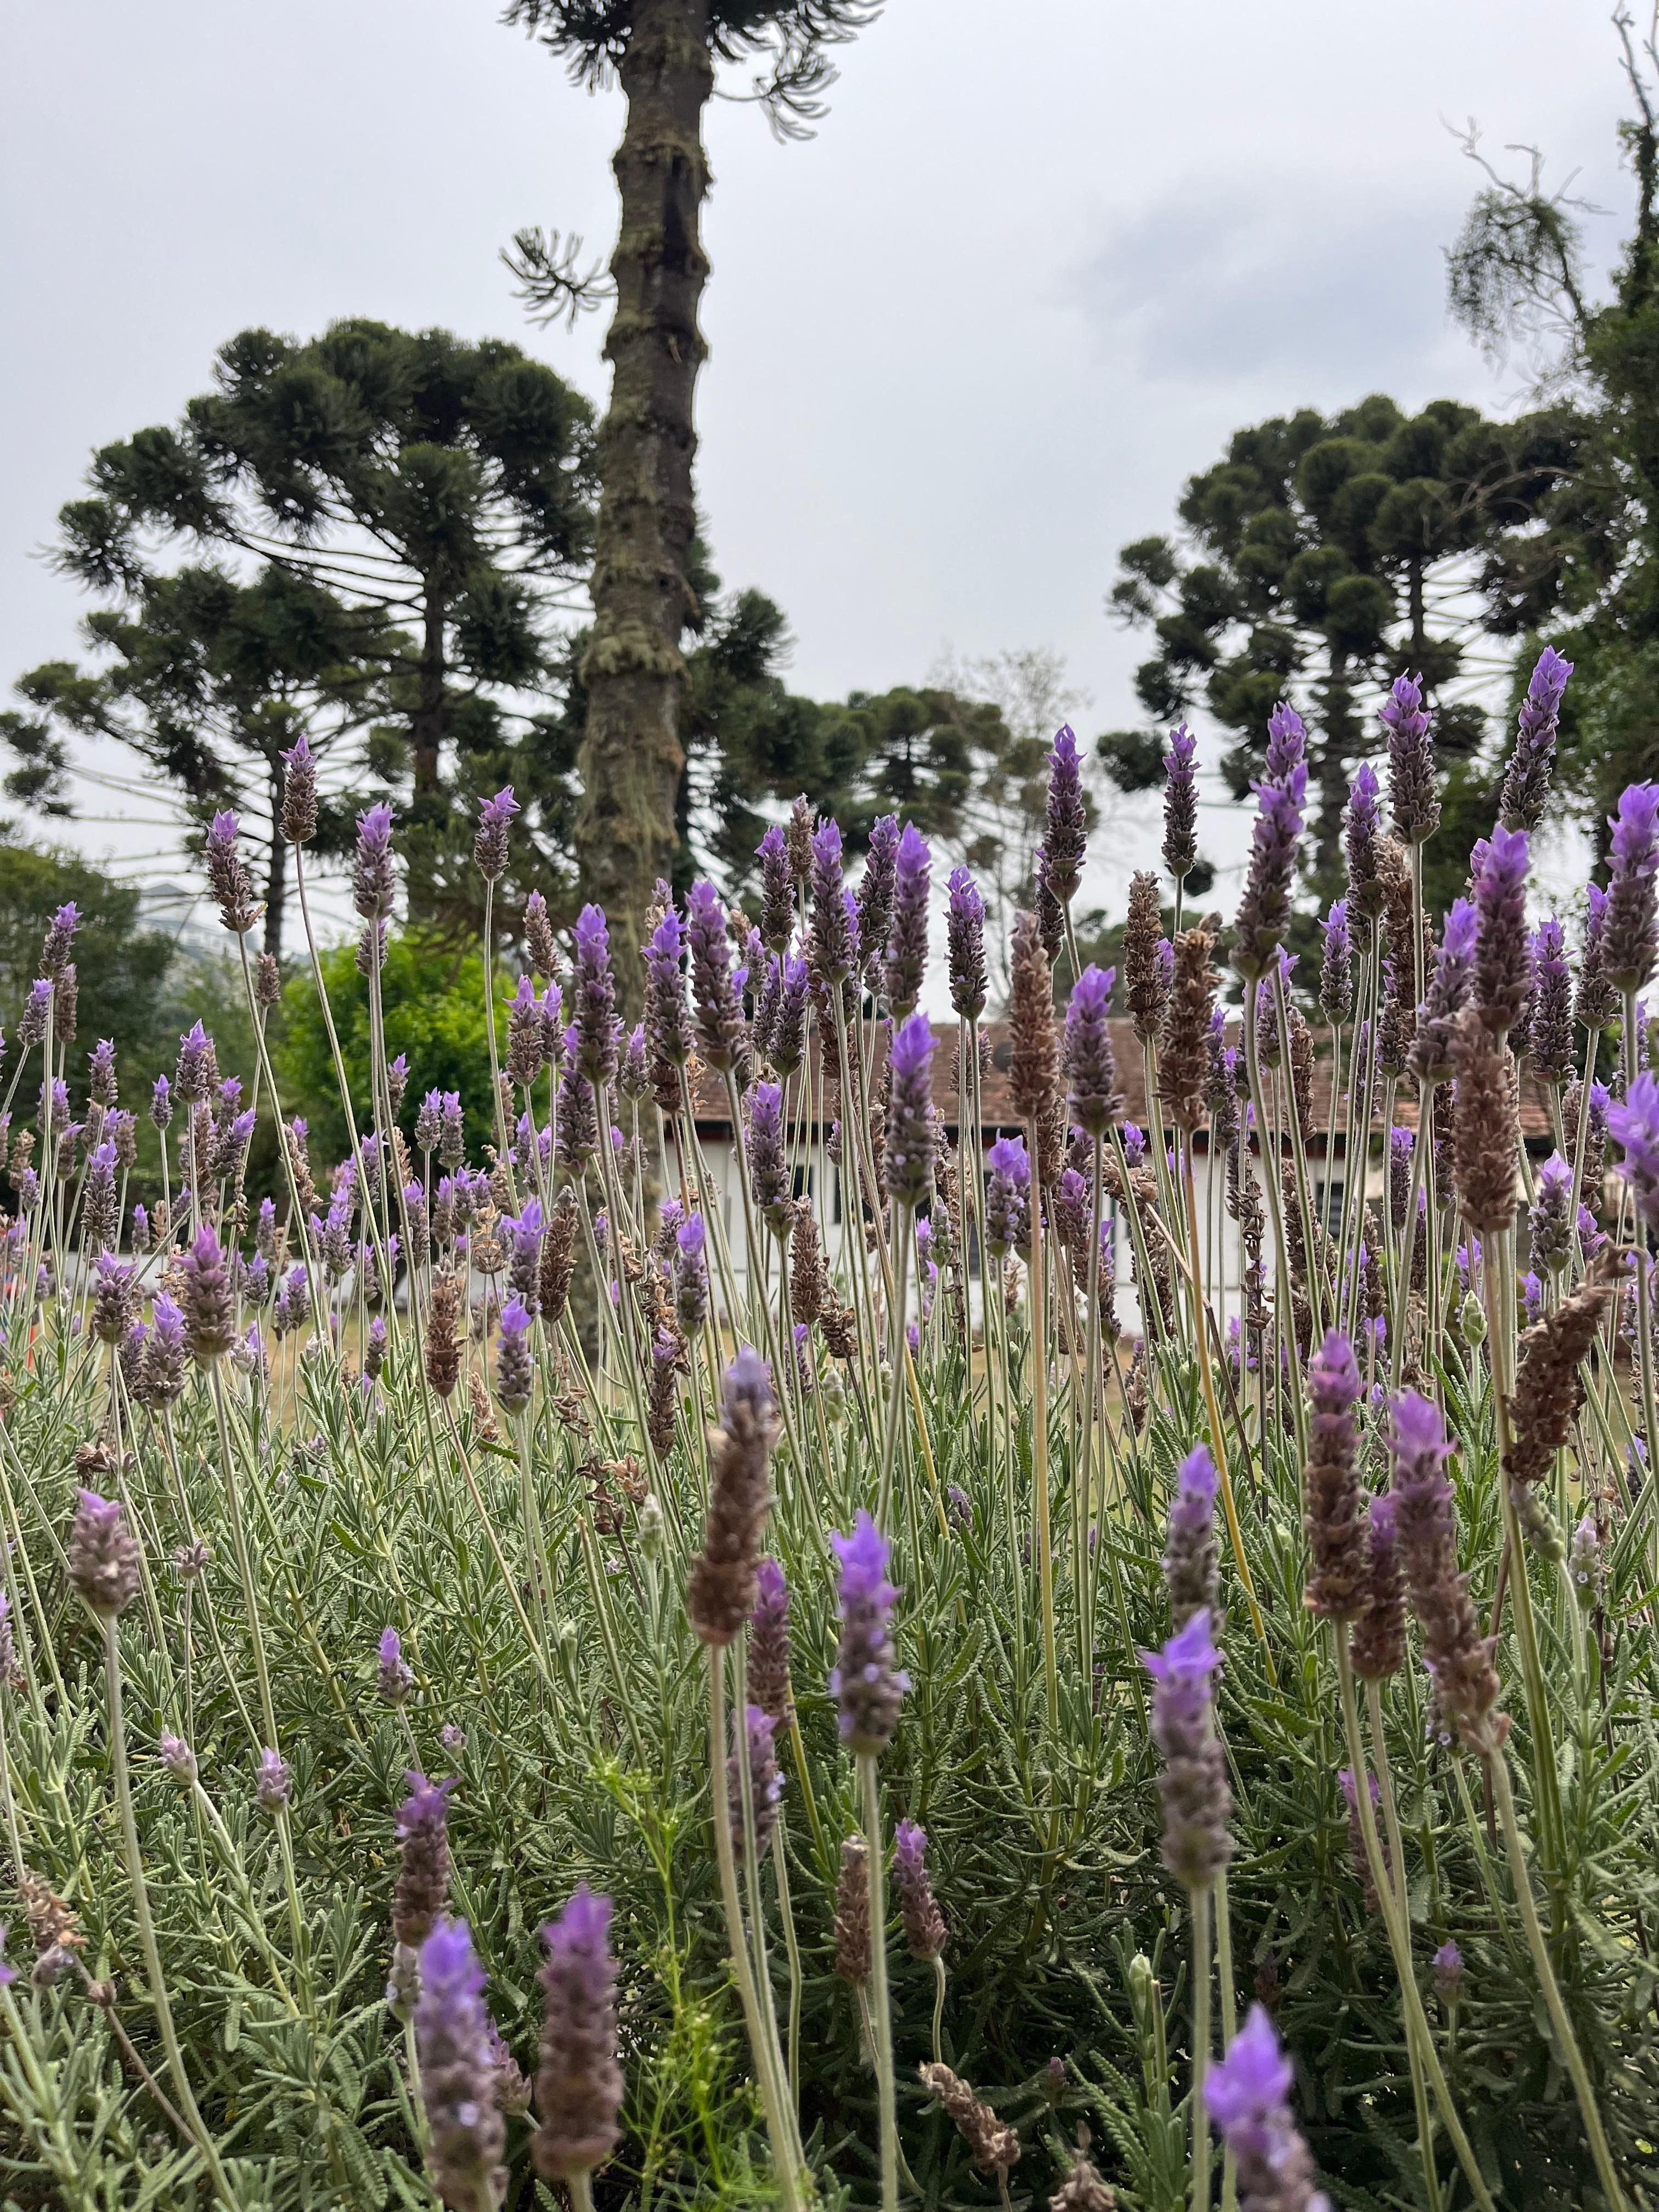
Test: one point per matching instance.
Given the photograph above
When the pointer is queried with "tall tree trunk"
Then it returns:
(633, 671)
(426, 727)
(277, 873)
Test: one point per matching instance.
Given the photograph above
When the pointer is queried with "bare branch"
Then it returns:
(550, 284)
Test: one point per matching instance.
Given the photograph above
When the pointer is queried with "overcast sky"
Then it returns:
(1042, 257)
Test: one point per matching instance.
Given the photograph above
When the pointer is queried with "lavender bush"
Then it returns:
(454, 1751)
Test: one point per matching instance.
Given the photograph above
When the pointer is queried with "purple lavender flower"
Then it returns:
(1411, 762)
(830, 945)
(1090, 1069)
(1633, 1124)
(1585, 1562)
(1180, 804)
(765, 1782)
(1189, 1562)
(965, 947)
(1361, 840)
(103, 1555)
(1193, 1784)
(227, 875)
(1526, 780)
(593, 997)
(273, 1786)
(1549, 1029)
(396, 1678)
(1430, 1058)
(1066, 834)
(875, 897)
(1503, 968)
(908, 1157)
(777, 892)
(58, 948)
(32, 1022)
(198, 1069)
(453, 2044)
(1336, 965)
(1593, 1006)
(1008, 1197)
(1134, 1143)
(489, 846)
(372, 882)
(907, 953)
(579, 2083)
(864, 1682)
(297, 822)
(101, 1088)
(1264, 909)
(788, 1041)
(1549, 1226)
(668, 1035)
(1449, 1960)
(429, 1121)
(178, 1758)
(1246, 2093)
(691, 1277)
(924, 1923)
(768, 1168)
(515, 1365)
(1628, 939)
(1458, 1657)
(210, 1327)
(714, 986)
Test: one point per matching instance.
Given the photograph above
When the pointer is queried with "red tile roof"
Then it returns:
(713, 1116)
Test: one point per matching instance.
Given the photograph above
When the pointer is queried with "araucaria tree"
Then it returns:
(391, 519)
(1322, 557)
(664, 54)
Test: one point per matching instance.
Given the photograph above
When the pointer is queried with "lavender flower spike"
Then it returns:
(1527, 781)
(228, 876)
(713, 989)
(1246, 2093)
(1066, 834)
(1502, 961)
(1411, 762)
(1361, 842)
(489, 846)
(830, 949)
(875, 898)
(1190, 1563)
(372, 882)
(908, 1157)
(1336, 966)
(458, 2077)
(965, 947)
(1430, 1058)
(593, 995)
(396, 1678)
(1264, 909)
(907, 952)
(1194, 1783)
(864, 1682)
(1633, 1124)
(579, 2082)
(1090, 1069)
(1549, 1033)
(103, 1555)
(769, 1167)
(924, 1923)
(1628, 936)
(777, 917)
(1180, 804)
(515, 1368)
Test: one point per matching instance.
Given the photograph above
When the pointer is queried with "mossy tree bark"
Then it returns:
(634, 672)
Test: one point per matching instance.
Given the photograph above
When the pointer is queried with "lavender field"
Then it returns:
(533, 1675)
